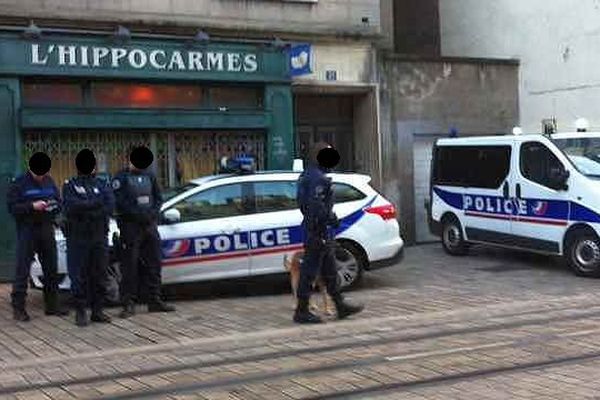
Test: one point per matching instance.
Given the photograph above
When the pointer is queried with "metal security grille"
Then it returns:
(179, 156)
(197, 154)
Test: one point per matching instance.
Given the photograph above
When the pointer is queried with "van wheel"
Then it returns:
(583, 255)
(452, 238)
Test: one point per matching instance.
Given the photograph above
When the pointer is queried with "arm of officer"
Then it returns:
(109, 199)
(74, 203)
(16, 205)
(56, 198)
(120, 194)
(156, 193)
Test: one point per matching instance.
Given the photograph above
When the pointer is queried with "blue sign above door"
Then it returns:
(300, 59)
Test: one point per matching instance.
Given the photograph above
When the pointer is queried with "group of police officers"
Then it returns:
(134, 197)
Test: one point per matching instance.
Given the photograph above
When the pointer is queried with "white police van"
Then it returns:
(238, 225)
(533, 192)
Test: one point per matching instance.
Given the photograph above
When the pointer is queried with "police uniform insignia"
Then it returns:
(116, 184)
(80, 189)
(96, 190)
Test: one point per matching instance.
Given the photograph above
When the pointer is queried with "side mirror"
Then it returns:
(559, 178)
(172, 216)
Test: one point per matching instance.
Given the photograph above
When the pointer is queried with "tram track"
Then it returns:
(551, 319)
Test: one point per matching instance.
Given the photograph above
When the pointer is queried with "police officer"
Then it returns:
(138, 201)
(88, 203)
(34, 201)
(315, 198)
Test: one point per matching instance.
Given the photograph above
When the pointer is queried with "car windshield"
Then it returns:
(172, 192)
(584, 153)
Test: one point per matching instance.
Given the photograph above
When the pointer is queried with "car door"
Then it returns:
(210, 240)
(487, 206)
(542, 207)
(275, 231)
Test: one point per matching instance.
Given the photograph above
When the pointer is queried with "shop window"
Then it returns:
(52, 94)
(143, 95)
(235, 97)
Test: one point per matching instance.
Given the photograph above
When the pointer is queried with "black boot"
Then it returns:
(19, 314)
(128, 310)
(81, 317)
(303, 315)
(344, 309)
(101, 317)
(52, 305)
(160, 306)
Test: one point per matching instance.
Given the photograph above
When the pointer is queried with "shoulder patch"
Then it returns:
(116, 184)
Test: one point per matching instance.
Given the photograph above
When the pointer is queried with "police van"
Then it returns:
(532, 192)
(247, 224)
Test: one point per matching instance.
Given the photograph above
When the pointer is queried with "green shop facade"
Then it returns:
(190, 102)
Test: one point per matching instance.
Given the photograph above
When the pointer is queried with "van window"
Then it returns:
(483, 167)
(537, 161)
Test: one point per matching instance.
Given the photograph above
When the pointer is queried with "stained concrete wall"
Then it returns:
(330, 17)
(428, 98)
(557, 41)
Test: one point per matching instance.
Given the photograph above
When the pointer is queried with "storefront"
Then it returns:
(190, 102)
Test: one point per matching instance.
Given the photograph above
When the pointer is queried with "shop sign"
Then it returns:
(137, 58)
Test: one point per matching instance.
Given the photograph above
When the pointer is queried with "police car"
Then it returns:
(238, 225)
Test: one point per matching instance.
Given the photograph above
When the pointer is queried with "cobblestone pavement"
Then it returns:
(493, 325)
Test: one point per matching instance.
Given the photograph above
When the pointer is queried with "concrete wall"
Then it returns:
(557, 41)
(322, 17)
(427, 98)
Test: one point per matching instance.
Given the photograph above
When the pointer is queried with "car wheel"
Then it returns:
(452, 238)
(349, 264)
(583, 255)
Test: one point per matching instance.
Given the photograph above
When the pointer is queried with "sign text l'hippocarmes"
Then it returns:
(137, 58)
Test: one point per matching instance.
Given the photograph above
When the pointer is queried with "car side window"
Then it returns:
(343, 193)
(219, 202)
(275, 196)
(538, 162)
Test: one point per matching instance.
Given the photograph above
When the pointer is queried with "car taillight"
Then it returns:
(386, 212)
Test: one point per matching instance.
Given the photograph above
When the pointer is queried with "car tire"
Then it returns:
(350, 264)
(583, 255)
(453, 240)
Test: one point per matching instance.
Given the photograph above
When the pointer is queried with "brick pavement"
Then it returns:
(431, 317)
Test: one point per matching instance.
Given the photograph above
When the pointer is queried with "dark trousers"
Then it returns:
(140, 260)
(32, 239)
(318, 259)
(87, 261)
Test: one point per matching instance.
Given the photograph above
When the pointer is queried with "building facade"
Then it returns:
(194, 81)
(556, 42)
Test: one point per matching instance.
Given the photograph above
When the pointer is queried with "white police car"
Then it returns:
(229, 226)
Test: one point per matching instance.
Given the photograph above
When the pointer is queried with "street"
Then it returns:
(495, 324)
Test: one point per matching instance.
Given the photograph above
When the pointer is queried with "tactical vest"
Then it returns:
(140, 188)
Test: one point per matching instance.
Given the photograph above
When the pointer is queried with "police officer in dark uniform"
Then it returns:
(315, 198)
(138, 201)
(88, 203)
(34, 201)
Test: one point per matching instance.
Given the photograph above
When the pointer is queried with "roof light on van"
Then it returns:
(517, 130)
(582, 125)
